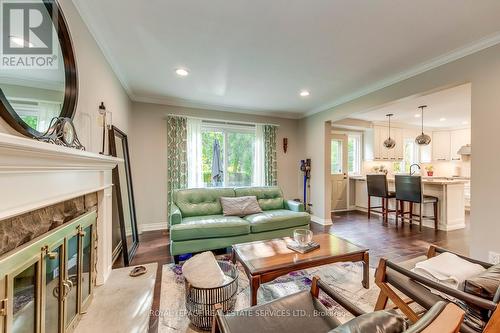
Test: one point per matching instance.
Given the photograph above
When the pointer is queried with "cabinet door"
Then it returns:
(71, 280)
(52, 279)
(376, 143)
(384, 152)
(458, 139)
(399, 149)
(87, 246)
(23, 298)
(441, 146)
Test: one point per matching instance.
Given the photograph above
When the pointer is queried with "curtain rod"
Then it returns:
(220, 121)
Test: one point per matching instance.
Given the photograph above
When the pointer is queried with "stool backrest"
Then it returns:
(409, 188)
(377, 185)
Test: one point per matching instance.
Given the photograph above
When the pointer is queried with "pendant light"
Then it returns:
(389, 143)
(422, 139)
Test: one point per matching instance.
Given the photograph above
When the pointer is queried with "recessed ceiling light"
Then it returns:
(442, 119)
(181, 72)
(417, 115)
(304, 93)
(465, 122)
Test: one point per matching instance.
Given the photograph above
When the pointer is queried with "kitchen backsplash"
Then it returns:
(441, 169)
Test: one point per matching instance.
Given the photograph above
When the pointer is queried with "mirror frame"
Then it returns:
(70, 75)
(127, 253)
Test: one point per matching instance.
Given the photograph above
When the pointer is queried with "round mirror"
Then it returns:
(37, 71)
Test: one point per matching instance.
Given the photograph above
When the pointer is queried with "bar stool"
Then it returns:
(377, 187)
(409, 189)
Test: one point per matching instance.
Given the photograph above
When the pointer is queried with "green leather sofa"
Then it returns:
(197, 223)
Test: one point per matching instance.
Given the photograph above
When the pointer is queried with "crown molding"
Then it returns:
(456, 54)
(88, 20)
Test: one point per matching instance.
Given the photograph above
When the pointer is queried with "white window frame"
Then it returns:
(358, 158)
(225, 129)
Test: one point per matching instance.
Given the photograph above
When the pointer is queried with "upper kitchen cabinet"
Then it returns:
(447, 143)
(458, 138)
(441, 146)
(380, 152)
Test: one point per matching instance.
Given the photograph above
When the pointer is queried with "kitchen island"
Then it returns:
(449, 191)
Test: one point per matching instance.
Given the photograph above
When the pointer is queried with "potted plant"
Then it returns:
(430, 170)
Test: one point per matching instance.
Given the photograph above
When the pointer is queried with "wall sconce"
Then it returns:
(105, 123)
(285, 144)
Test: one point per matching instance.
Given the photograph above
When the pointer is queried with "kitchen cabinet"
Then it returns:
(458, 138)
(447, 143)
(441, 146)
(380, 152)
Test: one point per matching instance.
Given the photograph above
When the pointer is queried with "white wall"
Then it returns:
(482, 70)
(148, 149)
(97, 82)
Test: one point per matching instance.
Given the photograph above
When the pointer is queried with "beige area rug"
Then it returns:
(345, 278)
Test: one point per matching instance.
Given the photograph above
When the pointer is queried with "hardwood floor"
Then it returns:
(397, 244)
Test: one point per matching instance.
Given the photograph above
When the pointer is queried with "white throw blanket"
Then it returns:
(448, 269)
(203, 271)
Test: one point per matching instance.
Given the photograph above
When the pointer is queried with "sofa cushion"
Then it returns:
(299, 312)
(485, 284)
(201, 201)
(375, 322)
(210, 226)
(268, 197)
(277, 219)
(240, 206)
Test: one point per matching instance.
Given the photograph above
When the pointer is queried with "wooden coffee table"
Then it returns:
(264, 261)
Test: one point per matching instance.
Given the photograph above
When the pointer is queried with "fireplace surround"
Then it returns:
(55, 217)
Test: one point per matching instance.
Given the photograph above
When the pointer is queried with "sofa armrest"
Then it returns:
(294, 206)
(175, 215)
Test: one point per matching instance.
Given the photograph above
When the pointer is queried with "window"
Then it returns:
(410, 152)
(336, 158)
(236, 146)
(354, 154)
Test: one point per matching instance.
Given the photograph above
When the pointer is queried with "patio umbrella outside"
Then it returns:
(217, 167)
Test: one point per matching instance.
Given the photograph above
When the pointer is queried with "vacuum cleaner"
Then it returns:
(305, 167)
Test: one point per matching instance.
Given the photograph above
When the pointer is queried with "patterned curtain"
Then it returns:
(176, 156)
(270, 160)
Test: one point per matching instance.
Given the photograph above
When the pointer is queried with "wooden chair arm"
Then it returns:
(346, 304)
(463, 296)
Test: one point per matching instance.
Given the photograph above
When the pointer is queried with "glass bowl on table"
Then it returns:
(303, 237)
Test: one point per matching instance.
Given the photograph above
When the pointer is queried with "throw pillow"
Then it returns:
(240, 206)
(203, 271)
(484, 285)
(375, 322)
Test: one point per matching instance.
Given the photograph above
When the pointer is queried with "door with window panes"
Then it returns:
(339, 169)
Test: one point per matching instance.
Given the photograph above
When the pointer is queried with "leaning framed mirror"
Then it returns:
(123, 195)
(38, 76)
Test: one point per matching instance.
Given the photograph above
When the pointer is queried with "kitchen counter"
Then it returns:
(449, 191)
(425, 180)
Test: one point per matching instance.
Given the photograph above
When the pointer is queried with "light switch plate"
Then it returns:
(494, 258)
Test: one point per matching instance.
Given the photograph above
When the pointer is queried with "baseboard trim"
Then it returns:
(321, 221)
(153, 226)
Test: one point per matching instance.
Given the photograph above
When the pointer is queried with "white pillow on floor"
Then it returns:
(203, 271)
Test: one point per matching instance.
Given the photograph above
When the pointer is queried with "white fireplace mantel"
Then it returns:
(35, 174)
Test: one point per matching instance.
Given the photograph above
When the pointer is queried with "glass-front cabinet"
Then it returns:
(46, 284)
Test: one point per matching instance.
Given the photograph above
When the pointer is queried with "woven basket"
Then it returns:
(200, 302)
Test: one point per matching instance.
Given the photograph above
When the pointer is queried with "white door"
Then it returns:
(338, 178)
(441, 146)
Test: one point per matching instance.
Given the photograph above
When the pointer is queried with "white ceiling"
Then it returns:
(256, 55)
(454, 105)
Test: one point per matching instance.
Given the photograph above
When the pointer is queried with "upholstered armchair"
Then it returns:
(480, 302)
(304, 312)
